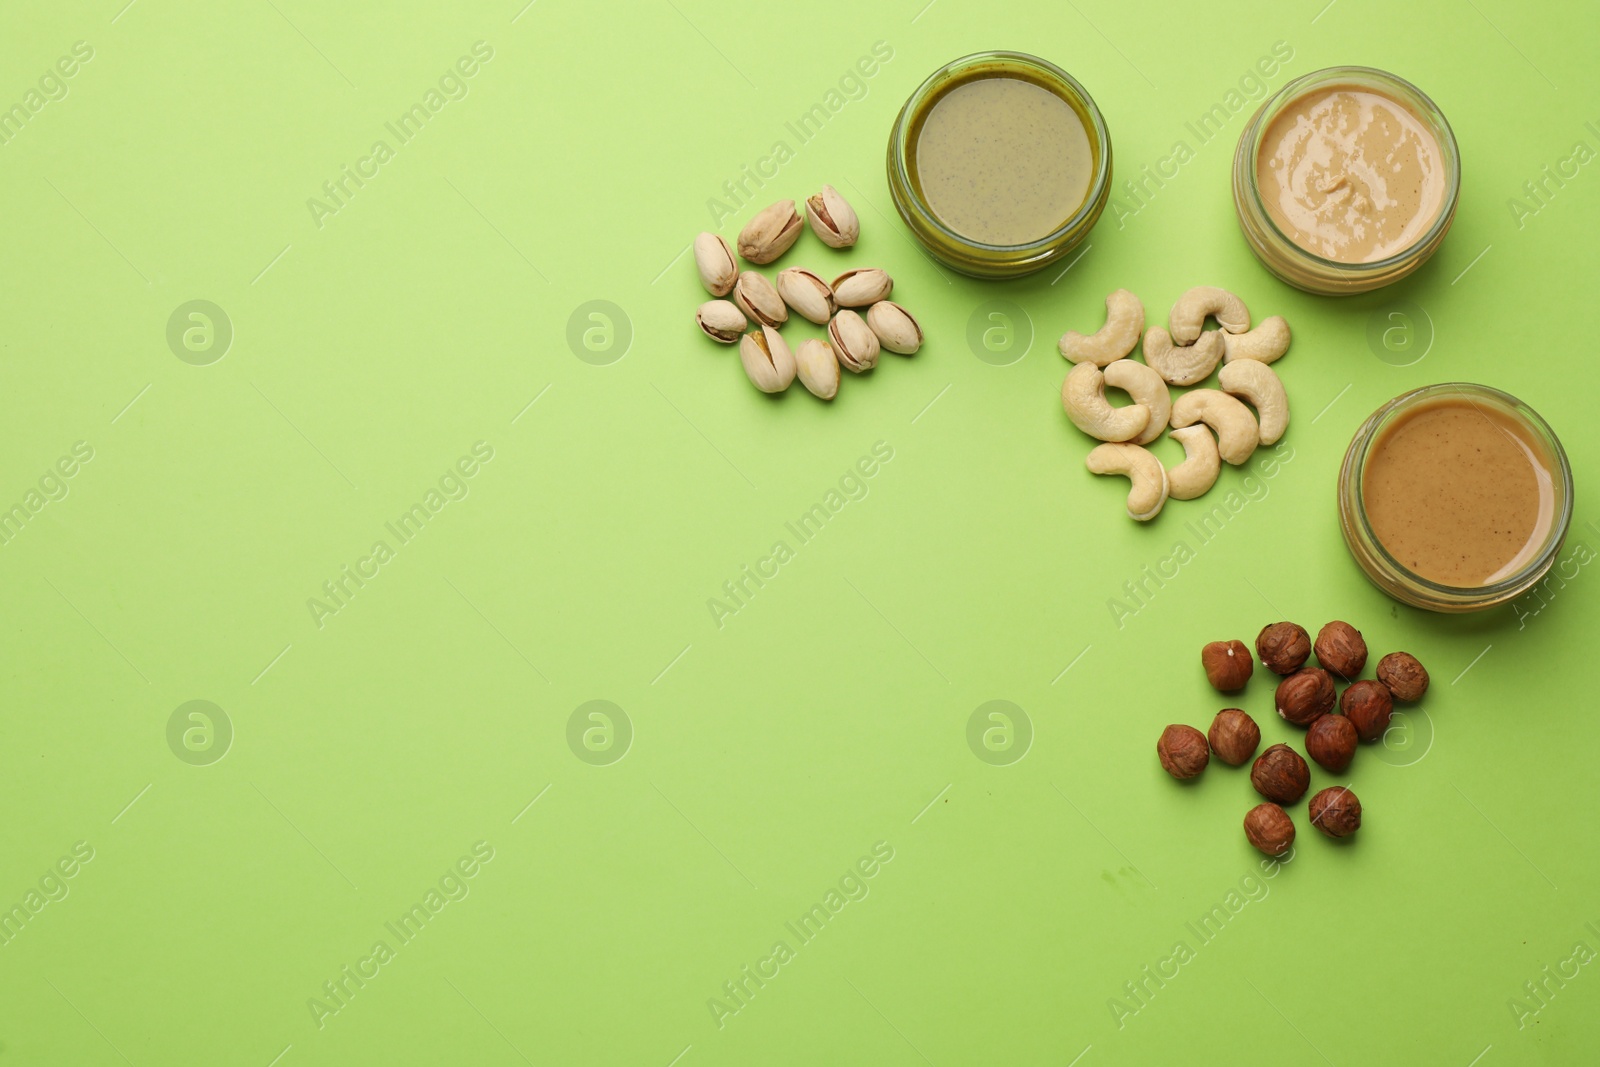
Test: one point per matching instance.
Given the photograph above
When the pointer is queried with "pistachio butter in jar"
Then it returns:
(1000, 164)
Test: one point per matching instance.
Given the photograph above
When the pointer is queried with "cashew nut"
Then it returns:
(1147, 389)
(1114, 340)
(1201, 463)
(1235, 426)
(1259, 384)
(1189, 313)
(1182, 364)
(1265, 343)
(1144, 470)
(1083, 394)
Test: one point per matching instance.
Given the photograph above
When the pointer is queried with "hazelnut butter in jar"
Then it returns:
(1346, 180)
(1455, 497)
(1000, 164)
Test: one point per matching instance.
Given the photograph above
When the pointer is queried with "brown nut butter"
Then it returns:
(1457, 493)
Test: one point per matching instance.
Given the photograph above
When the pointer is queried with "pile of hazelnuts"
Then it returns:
(1307, 696)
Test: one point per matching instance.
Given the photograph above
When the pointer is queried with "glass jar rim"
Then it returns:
(1430, 114)
(901, 150)
(1354, 469)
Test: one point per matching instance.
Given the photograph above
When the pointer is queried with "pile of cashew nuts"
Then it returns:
(1185, 354)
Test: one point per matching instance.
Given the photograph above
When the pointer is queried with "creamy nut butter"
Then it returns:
(999, 164)
(1003, 161)
(1350, 174)
(1459, 493)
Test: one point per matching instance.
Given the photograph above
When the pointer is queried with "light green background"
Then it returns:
(830, 713)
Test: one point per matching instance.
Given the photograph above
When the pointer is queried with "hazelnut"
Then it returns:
(1183, 751)
(1332, 741)
(1335, 811)
(1403, 675)
(1340, 649)
(1305, 695)
(1228, 665)
(1234, 736)
(1280, 775)
(1269, 829)
(1368, 706)
(1283, 647)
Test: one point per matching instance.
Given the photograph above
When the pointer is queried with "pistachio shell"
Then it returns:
(853, 342)
(832, 218)
(757, 298)
(769, 235)
(767, 360)
(807, 293)
(720, 320)
(817, 368)
(896, 329)
(718, 269)
(859, 288)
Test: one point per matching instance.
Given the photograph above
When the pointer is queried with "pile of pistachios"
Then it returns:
(853, 342)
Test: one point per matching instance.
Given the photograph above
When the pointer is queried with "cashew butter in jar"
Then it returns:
(1000, 163)
(1455, 497)
(1346, 180)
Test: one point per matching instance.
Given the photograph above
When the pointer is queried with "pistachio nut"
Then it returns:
(859, 288)
(769, 235)
(757, 298)
(853, 341)
(718, 269)
(721, 321)
(767, 360)
(896, 329)
(833, 220)
(807, 293)
(818, 370)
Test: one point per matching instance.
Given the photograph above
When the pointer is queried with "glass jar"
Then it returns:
(1301, 267)
(964, 253)
(1394, 578)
